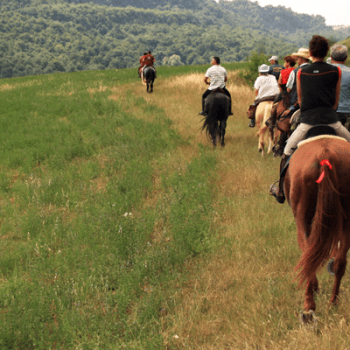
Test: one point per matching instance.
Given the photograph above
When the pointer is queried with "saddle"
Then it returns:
(219, 90)
(148, 67)
(317, 130)
(252, 108)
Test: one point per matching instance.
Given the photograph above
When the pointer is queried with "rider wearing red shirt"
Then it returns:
(142, 63)
(149, 61)
(289, 63)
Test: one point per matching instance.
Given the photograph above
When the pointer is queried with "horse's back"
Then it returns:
(149, 73)
(304, 168)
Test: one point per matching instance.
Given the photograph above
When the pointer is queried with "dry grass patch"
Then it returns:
(7, 86)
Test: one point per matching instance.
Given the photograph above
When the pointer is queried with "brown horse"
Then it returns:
(317, 188)
(281, 122)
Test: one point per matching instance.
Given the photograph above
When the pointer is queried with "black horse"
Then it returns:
(149, 75)
(216, 109)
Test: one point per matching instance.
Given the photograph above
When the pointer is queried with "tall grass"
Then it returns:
(88, 246)
(122, 228)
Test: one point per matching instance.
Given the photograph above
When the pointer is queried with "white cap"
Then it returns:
(264, 68)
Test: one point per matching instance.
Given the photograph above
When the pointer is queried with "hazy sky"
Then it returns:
(335, 12)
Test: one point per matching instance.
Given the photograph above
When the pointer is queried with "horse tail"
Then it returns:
(327, 224)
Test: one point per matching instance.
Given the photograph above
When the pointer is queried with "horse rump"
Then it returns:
(149, 75)
(216, 108)
(326, 228)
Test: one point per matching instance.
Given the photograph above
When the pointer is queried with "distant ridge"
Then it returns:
(75, 35)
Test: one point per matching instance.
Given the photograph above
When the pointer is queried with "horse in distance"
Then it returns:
(148, 76)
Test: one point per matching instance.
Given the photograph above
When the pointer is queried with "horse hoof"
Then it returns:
(330, 267)
(308, 319)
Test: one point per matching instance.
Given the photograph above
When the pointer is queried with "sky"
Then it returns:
(335, 12)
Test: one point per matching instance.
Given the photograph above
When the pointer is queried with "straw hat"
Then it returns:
(303, 53)
(264, 68)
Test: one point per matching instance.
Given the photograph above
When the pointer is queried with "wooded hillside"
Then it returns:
(49, 36)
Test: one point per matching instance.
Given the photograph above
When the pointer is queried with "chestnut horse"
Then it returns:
(317, 188)
(281, 123)
(265, 134)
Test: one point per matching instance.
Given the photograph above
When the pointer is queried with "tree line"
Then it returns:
(47, 36)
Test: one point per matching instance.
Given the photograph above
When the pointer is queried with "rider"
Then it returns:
(339, 54)
(142, 63)
(302, 57)
(318, 89)
(218, 78)
(266, 88)
(275, 68)
(149, 61)
(289, 63)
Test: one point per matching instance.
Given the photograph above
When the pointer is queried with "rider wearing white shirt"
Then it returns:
(218, 77)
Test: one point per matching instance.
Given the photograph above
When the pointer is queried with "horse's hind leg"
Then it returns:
(271, 139)
(261, 135)
(339, 267)
(223, 124)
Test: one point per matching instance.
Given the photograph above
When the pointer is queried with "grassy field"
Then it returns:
(122, 228)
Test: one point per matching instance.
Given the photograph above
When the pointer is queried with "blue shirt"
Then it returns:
(344, 99)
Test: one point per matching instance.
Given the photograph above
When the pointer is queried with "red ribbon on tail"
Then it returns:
(323, 162)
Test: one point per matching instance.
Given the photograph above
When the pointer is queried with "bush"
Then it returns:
(251, 72)
(174, 60)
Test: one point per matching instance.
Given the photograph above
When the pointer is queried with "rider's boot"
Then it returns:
(230, 113)
(277, 191)
(202, 112)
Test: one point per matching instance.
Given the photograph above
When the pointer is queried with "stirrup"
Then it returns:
(274, 189)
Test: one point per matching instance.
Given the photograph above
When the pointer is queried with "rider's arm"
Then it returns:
(256, 92)
(279, 82)
(290, 81)
(337, 91)
(206, 80)
(225, 80)
(299, 88)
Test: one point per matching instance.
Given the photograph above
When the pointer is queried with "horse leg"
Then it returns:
(271, 139)
(223, 124)
(261, 134)
(152, 86)
(303, 212)
(339, 266)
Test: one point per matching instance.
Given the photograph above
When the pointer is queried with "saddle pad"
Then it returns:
(311, 139)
